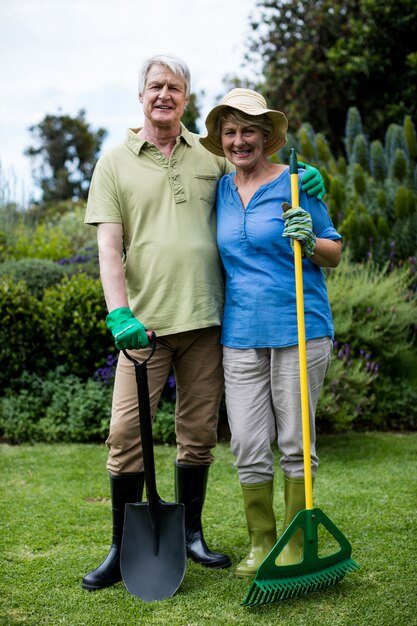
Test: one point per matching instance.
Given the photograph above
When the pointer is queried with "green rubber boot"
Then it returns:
(260, 518)
(294, 495)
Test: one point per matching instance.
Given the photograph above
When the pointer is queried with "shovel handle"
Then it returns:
(152, 343)
(145, 422)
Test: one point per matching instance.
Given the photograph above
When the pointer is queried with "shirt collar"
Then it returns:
(136, 143)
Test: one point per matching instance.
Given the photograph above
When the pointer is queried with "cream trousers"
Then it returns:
(264, 405)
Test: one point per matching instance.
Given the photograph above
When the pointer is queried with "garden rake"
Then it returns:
(313, 572)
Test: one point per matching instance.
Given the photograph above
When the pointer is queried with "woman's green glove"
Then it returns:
(299, 225)
(312, 181)
(128, 332)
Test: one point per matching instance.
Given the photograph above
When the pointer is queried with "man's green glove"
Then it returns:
(298, 225)
(128, 332)
(312, 181)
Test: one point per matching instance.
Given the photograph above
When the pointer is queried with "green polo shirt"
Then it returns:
(172, 267)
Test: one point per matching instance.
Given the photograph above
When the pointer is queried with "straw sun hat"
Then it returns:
(251, 103)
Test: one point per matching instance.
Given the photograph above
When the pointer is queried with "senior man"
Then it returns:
(153, 201)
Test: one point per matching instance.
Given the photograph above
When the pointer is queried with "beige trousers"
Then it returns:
(264, 405)
(195, 357)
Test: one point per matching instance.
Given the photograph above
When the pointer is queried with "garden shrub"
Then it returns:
(38, 274)
(41, 242)
(374, 310)
(20, 334)
(374, 313)
(85, 260)
(59, 407)
(347, 391)
(73, 325)
(79, 412)
(71, 224)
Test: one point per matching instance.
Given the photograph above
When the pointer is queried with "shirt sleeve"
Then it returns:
(103, 203)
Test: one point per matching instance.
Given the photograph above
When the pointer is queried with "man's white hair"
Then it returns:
(172, 62)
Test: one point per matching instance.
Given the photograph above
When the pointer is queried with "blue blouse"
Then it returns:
(260, 308)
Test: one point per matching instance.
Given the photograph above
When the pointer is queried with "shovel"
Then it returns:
(153, 552)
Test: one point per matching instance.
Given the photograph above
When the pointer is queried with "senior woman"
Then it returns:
(255, 227)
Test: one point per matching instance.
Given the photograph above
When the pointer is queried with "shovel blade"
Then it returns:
(151, 574)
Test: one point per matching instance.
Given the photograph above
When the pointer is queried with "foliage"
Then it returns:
(73, 325)
(347, 398)
(20, 315)
(374, 311)
(64, 154)
(192, 112)
(71, 224)
(316, 59)
(44, 241)
(59, 407)
(374, 314)
(65, 327)
(85, 260)
(38, 274)
(376, 66)
(372, 193)
(54, 232)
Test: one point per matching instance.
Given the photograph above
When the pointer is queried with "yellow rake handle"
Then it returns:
(302, 353)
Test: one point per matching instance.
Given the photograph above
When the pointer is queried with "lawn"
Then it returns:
(55, 526)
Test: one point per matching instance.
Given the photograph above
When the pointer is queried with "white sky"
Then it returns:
(72, 54)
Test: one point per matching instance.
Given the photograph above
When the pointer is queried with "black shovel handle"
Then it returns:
(145, 422)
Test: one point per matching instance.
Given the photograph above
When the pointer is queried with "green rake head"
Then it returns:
(273, 583)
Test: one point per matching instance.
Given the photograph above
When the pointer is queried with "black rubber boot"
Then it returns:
(124, 488)
(190, 489)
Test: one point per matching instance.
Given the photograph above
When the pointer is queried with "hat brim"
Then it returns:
(275, 141)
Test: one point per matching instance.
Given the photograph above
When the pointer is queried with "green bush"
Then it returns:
(374, 310)
(44, 241)
(71, 224)
(65, 328)
(73, 325)
(38, 274)
(85, 260)
(374, 314)
(20, 334)
(59, 407)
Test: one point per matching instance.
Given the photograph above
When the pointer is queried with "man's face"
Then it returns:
(163, 97)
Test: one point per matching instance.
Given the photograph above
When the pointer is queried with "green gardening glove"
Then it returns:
(312, 181)
(128, 332)
(299, 225)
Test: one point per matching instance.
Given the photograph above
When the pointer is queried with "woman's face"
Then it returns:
(242, 144)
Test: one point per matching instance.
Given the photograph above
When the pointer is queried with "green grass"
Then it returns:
(55, 527)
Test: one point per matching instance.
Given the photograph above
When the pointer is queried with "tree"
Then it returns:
(64, 155)
(192, 113)
(319, 57)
